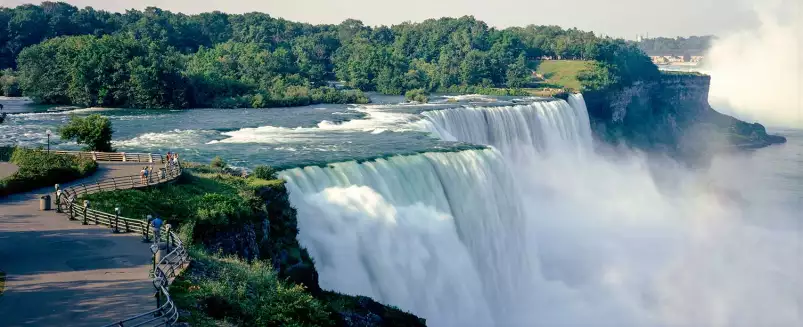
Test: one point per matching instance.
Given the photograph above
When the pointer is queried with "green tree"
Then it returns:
(518, 75)
(93, 131)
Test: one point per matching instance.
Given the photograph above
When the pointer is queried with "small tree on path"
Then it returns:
(93, 131)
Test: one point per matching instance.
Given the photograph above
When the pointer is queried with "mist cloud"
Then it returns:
(757, 75)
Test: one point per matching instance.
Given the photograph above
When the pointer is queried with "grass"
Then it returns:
(560, 73)
(207, 198)
(39, 169)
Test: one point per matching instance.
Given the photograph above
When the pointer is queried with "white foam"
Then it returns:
(377, 120)
(168, 139)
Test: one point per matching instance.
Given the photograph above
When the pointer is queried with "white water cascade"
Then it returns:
(518, 130)
(414, 232)
(540, 231)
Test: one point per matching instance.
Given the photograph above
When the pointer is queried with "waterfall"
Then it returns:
(525, 129)
(414, 232)
(537, 230)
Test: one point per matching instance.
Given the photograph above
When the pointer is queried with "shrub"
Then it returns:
(218, 162)
(94, 131)
(417, 95)
(265, 172)
(217, 288)
(42, 169)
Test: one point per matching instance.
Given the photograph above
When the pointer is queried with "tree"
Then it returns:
(518, 75)
(93, 131)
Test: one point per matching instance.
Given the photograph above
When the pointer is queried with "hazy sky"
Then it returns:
(622, 18)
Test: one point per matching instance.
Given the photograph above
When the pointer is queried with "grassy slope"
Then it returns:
(561, 73)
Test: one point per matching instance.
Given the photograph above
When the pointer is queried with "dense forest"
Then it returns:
(59, 54)
(679, 46)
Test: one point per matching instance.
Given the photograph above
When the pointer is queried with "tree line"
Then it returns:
(60, 54)
(679, 46)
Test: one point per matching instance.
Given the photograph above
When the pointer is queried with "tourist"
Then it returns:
(157, 229)
(142, 174)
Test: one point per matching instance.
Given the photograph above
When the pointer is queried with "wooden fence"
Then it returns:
(165, 270)
(116, 156)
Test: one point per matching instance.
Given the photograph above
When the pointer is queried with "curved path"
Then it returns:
(61, 273)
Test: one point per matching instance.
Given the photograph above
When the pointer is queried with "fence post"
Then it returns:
(117, 219)
(86, 206)
(132, 181)
(146, 230)
(72, 208)
(58, 199)
(84, 185)
(126, 226)
(94, 156)
(115, 182)
(123, 156)
(169, 238)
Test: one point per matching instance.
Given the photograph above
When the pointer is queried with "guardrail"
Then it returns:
(166, 269)
(116, 156)
(164, 272)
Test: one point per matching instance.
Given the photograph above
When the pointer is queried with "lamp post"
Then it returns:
(48, 140)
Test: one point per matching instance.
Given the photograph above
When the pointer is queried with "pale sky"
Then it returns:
(620, 18)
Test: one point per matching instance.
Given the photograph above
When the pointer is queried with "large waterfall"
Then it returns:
(529, 233)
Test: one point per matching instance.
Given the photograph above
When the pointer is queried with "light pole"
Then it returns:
(48, 140)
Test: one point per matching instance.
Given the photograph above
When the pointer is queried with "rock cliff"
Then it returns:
(671, 115)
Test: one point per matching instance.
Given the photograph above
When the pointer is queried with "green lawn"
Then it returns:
(560, 73)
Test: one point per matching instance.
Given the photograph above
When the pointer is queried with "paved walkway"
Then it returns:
(61, 273)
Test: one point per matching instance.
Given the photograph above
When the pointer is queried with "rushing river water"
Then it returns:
(282, 137)
(538, 228)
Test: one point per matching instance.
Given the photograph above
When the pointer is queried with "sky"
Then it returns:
(618, 18)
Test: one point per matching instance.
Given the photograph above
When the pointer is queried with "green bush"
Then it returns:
(218, 162)
(417, 95)
(93, 131)
(216, 288)
(265, 172)
(39, 169)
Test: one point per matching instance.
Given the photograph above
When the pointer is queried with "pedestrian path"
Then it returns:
(62, 273)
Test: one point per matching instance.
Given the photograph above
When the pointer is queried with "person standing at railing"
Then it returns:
(157, 229)
(142, 174)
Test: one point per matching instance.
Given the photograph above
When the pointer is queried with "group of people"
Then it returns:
(145, 175)
(172, 160)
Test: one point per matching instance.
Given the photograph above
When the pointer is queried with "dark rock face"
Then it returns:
(239, 241)
(671, 115)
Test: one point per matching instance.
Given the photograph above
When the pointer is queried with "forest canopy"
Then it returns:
(159, 59)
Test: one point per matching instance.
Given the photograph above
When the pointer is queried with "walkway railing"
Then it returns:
(116, 156)
(166, 269)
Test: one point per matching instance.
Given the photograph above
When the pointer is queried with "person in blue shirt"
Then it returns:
(157, 229)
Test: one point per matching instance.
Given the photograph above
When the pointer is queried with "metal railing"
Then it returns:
(164, 272)
(166, 269)
(116, 156)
